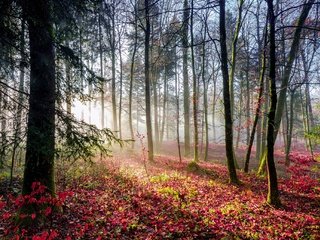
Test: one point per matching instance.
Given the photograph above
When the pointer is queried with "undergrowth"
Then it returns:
(174, 201)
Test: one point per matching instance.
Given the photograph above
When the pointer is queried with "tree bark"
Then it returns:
(18, 120)
(258, 109)
(234, 55)
(147, 80)
(186, 89)
(240, 111)
(39, 164)
(164, 105)
(113, 71)
(132, 73)
(214, 104)
(273, 192)
(290, 129)
(226, 97)
(176, 83)
(205, 99)
(194, 95)
(120, 89)
(101, 66)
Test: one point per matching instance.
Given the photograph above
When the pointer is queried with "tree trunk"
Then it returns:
(3, 117)
(309, 113)
(234, 55)
(290, 129)
(248, 119)
(113, 73)
(194, 95)
(147, 80)
(90, 90)
(308, 103)
(4, 8)
(258, 109)
(68, 96)
(226, 97)
(12, 71)
(240, 113)
(18, 120)
(132, 73)
(214, 108)
(120, 89)
(68, 86)
(205, 100)
(306, 125)
(165, 93)
(285, 125)
(263, 154)
(101, 66)
(186, 90)
(39, 164)
(176, 83)
(155, 75)
(273, 192)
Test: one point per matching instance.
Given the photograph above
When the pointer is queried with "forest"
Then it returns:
(159, 119)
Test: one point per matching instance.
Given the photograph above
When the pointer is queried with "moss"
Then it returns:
(194, 167)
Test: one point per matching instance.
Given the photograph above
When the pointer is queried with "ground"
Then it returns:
(126, 197)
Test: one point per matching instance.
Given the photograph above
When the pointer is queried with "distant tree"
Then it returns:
(186, 88)
(147, 32)
(205, 83)
(110, 10)
(18, 123)
(259, 105)
(102, 87)
(194, 92)
(132, 66)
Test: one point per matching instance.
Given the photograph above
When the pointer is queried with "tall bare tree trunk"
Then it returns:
(132, 72)
(259, 124)
(234, 54)
(309, 120)
(18, 120)
(240, 112)
(214, 107)
(226, 97)
(101, 66)
(290, 128)
(154, 76)
(194, 95)
(147, 80)
(120, 90)
(164, 105)
(186, 89)
(258, 109)
(273, 192)
(113, 71)
(248, 119)
(176, 83)
(205, 100)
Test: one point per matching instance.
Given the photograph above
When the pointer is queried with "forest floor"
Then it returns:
(127, 197)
